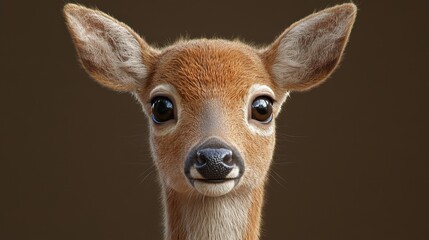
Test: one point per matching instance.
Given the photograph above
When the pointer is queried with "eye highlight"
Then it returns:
(162, 110)
(262, 109)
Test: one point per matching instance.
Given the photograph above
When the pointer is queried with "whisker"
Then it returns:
(275, 179)
(283, 163)
(145, 173)
(280, 176)
(136, 163)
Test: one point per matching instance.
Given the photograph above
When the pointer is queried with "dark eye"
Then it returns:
(162, 110)
(262, 109)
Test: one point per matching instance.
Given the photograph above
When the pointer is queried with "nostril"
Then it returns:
(200, 160)
(227, 158)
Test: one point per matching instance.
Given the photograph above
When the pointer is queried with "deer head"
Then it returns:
(211, 104)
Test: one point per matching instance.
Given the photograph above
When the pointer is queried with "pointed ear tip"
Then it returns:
(349, 8)
(72, 9)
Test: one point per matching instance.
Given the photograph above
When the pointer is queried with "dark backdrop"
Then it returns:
(352, 155)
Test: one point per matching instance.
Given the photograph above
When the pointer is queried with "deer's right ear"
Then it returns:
(110, 51)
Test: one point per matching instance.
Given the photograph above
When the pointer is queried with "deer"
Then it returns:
(211, 106)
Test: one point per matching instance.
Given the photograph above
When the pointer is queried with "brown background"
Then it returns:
(352, 157)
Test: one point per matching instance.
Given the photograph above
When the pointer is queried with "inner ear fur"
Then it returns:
(110, 51)
(307, 52)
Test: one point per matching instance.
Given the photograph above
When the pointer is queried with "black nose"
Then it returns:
(214, 163)
(214, 160)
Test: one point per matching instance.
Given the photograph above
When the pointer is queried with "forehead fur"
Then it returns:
(208, 68)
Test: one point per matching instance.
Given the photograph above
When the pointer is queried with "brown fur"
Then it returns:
(173, 215)
(211, 79)
(200, 71)
(254, 224)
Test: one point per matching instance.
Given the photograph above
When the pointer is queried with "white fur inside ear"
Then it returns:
(311, 44)
(108, 46)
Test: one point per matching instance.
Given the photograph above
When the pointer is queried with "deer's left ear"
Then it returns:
(307, 52)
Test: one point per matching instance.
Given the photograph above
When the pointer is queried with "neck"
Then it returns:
(233, 216)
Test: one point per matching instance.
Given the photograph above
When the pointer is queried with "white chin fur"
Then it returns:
(214, 189)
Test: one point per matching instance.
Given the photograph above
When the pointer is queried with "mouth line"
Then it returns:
(213, 181)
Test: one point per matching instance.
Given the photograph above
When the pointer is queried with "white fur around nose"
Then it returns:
(108, 45)
(195, 174)
(234, 173)
(214, 189)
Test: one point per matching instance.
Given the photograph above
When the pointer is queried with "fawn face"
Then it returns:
(212, 104)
